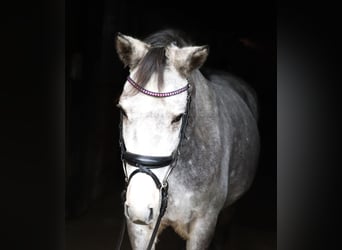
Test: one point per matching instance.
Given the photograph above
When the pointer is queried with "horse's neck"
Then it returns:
(202, 97)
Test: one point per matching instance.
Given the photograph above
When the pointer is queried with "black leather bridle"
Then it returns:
(145, 163)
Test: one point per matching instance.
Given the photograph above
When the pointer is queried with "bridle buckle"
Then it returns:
(164, 185)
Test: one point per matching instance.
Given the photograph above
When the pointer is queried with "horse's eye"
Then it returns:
(123, 112)
(177, 118)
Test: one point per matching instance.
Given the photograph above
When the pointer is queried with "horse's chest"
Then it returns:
(180, 212)
(180, 207)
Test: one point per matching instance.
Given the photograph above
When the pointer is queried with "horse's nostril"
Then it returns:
(150, 217)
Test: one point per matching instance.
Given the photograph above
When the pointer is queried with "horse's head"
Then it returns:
(153, 103)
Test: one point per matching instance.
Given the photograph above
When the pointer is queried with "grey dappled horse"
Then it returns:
(189, 144)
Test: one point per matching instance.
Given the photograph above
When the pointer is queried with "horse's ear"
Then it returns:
(130, 50)
(187, 59)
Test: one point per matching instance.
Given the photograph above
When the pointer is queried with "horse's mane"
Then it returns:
(155, 61)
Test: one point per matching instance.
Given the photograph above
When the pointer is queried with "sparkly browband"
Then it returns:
(156, 94)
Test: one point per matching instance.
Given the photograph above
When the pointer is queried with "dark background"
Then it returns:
(242, 40)
(34, 38)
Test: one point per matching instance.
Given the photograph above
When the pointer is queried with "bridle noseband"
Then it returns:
(148, 161)
(145, 163)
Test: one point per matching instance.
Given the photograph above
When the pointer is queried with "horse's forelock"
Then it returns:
(155, 60)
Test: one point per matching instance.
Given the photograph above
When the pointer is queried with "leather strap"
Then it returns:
(148, 161)
(145, 170)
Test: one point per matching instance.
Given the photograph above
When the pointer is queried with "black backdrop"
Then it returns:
(242, 40)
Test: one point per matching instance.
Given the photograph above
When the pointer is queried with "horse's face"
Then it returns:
(150, 125)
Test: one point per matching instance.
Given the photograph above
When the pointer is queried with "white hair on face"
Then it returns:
(148, 129)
